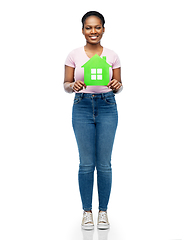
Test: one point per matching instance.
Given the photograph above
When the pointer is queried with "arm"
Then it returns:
(69, 84)
(115, 84)
(69, 79)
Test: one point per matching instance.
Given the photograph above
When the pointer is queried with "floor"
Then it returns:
(140, 218)
(43, 206)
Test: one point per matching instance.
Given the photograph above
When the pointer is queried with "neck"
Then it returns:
(93, 47)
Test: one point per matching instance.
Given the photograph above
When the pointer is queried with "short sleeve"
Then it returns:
(70, 60)
(116, 63)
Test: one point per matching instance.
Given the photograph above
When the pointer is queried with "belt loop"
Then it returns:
(102, 95)
(82, 95)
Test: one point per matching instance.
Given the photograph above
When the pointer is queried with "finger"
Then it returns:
(76, 87)
(110, 83)
(79, 85)
(118, 87)
(80, 82)
(82, 85)
(114, 84)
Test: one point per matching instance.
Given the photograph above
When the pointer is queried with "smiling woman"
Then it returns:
(93, 27)
(94, 115)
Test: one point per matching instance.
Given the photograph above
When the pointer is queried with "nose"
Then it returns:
(93, 30)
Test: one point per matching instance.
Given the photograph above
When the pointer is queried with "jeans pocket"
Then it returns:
(110, 100)
(77, 100)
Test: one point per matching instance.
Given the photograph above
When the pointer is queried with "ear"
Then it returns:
(103, 29)
(82, 31)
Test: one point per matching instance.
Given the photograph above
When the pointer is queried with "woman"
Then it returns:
(94, 118)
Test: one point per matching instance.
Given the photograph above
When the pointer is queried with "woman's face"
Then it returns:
(93, 30)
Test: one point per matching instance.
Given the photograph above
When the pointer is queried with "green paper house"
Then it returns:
(96, 71)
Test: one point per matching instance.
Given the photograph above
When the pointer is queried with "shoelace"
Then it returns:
(103, 217)
(88, 217)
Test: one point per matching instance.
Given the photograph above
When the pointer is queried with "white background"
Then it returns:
(39, 196)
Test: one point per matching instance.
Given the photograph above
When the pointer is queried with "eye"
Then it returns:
(98, 27)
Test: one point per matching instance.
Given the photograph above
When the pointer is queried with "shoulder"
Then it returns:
(110, 52)
(112, 58)
(76, 51)
(73, 57)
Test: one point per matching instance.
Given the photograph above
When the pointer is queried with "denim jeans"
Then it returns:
(94, 120)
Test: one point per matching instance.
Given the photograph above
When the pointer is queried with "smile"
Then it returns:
(93, 37)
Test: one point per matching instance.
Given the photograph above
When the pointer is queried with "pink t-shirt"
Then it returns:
(78, 58)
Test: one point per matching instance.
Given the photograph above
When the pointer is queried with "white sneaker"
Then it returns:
(103, 220)
(87, 221)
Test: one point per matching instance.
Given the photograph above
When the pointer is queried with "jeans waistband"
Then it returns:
(94, 95)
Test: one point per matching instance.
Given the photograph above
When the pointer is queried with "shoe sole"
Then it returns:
(103, 226)
(85, 227)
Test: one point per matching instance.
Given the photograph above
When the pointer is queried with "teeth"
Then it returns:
(94, 37)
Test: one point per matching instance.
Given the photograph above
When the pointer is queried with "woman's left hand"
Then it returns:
(114, 84)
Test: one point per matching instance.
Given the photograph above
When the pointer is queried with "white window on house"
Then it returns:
(93, 71)
(99, 71)
(96, 74)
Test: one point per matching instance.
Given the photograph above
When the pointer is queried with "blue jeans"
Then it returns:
(94, 120)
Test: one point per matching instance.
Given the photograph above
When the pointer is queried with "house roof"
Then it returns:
(97, 61)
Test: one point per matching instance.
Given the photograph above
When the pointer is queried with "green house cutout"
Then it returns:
(96, 71)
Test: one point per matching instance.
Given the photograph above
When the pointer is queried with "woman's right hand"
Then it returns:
(78, 86)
